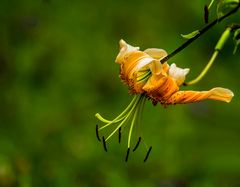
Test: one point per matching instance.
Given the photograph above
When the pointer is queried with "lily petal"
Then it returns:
(144, 62)
(160, 88)
(178, 74)
(220, 94)
(156, 53)
(124, 49)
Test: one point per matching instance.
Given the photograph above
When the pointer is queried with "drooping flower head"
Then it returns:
(144, 73)
(147, 77)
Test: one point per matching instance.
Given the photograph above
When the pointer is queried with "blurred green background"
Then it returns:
(57, 70)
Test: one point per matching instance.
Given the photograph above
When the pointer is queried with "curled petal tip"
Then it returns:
(178, 74)
(122, 43)
(221, 94)
(186, 71)
(125, 49)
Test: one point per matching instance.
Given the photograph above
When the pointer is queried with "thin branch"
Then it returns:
(201, 32)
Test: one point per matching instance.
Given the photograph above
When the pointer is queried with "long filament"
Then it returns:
(133, 121)
(118, 118)
(126, 118)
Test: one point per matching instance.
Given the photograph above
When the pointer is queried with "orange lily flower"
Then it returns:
(144, 73)
(146, 78)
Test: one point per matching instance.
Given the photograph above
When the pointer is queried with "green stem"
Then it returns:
(220, 44)
(204, 71)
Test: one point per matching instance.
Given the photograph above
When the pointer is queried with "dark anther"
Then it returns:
(126, 159)
(97, 134)
(104, 144)
(149, 150)
(184, 84)
(206, 14)
(136, 146)
(119, 134)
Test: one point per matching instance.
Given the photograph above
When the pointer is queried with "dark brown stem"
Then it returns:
(201, 32)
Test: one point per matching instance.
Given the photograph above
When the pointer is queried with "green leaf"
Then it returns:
(236, 39)
(190, 35)
(225, 6)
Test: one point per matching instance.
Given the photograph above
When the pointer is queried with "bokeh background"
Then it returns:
(57, 70)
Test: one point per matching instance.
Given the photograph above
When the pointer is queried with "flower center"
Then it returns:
(143, 75)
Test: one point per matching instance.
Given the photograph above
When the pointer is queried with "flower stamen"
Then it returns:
(97, 134)
(149, 150)
(118, 118)
(128, 151)
(137, 144)
(136, 114)
(104, 144)
(144, 76)
(132, 113)
(119, 135)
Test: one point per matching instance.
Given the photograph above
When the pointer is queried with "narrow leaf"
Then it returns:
(190, 35)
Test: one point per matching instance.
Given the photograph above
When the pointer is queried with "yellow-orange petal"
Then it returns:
(221, 94)
(132, 65)
(181, 97)
(160, 87)
(156, 53)
(131, 61)
(124, 49)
